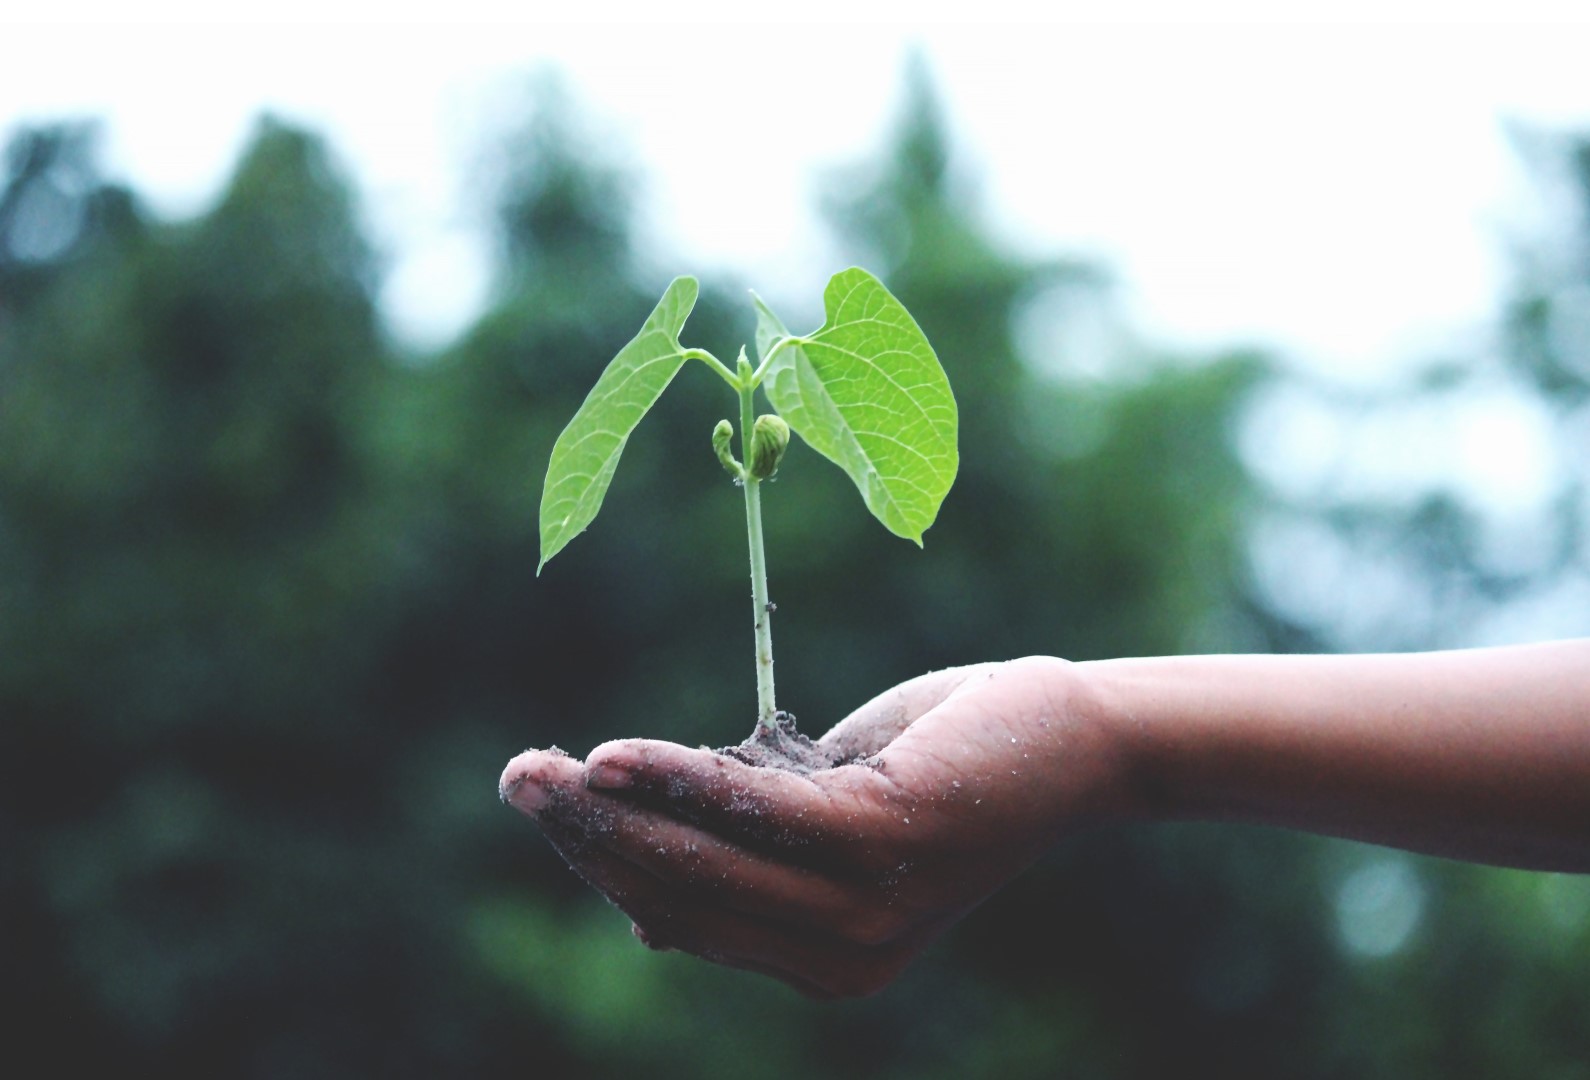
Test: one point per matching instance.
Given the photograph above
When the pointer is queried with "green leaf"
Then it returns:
(866, 391)
(768, 328)
(587, 452)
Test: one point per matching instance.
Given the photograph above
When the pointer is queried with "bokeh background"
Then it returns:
(270, 627)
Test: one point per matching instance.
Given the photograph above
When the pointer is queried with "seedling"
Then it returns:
(865, 391)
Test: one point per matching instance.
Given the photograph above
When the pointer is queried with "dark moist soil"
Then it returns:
(783, 747)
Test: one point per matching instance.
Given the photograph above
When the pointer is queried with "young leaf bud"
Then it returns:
(769, 439)
(721, 435)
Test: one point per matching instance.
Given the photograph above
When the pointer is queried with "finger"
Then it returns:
(816, 967)
(691, 860)
(875, 725)
(669, 918)
(548, 785)
(535, 777)
(764, 809)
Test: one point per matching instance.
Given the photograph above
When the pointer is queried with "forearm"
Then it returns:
(1481, 754)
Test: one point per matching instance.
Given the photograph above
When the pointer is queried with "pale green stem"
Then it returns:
(766, 710)
(779, 346)
(715, 364)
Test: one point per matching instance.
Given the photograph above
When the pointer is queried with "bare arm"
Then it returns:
(1478, 754)
(832, 882)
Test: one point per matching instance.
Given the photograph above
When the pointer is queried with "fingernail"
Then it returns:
(523, 793)
(608, 776)
(647, 940)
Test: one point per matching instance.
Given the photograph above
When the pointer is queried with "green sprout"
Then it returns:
(865, 390)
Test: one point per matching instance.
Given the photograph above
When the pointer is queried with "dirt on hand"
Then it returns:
(784, 747)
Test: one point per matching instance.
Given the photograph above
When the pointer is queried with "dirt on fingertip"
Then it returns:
(783, 747)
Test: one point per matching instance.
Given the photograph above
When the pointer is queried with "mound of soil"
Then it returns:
(784, 747)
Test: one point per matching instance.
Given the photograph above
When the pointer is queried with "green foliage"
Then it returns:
(866, 391)
(585, 455)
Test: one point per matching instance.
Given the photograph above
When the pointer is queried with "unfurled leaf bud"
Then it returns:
(769, 439)
(721, 436)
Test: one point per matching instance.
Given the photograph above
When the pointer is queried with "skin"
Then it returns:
(833, 882)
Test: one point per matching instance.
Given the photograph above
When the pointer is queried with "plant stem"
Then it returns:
(766, 710)
(714, 363)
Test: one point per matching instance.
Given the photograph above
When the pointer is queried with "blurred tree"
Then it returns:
(1548, 321)
(199, 801)
(55, 209)
(1449, 505)
(304, 577)
(268, 613)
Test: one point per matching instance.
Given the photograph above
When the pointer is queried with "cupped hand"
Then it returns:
(833, 881)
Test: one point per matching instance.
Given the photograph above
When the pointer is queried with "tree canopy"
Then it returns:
(270, 625)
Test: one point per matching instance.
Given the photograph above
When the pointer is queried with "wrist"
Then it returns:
(1109, 703)
(1096, 757)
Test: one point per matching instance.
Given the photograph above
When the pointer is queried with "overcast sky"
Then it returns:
(1342, 191)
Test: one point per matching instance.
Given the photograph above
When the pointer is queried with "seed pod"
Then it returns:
(721, 436)
(769, 440)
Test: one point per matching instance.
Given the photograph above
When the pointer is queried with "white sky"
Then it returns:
(1343, 191)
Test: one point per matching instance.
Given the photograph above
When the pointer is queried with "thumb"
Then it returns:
(878, 723)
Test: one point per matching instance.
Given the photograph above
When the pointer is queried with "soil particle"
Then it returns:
(783, 747)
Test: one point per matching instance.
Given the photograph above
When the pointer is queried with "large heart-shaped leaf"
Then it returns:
(587, 452)
(867, 392)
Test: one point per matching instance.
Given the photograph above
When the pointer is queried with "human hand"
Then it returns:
(833, 881)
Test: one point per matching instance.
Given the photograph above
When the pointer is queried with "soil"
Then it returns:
(784, 747)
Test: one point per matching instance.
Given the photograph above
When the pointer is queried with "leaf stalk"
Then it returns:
(714, 363)
(767, 361)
